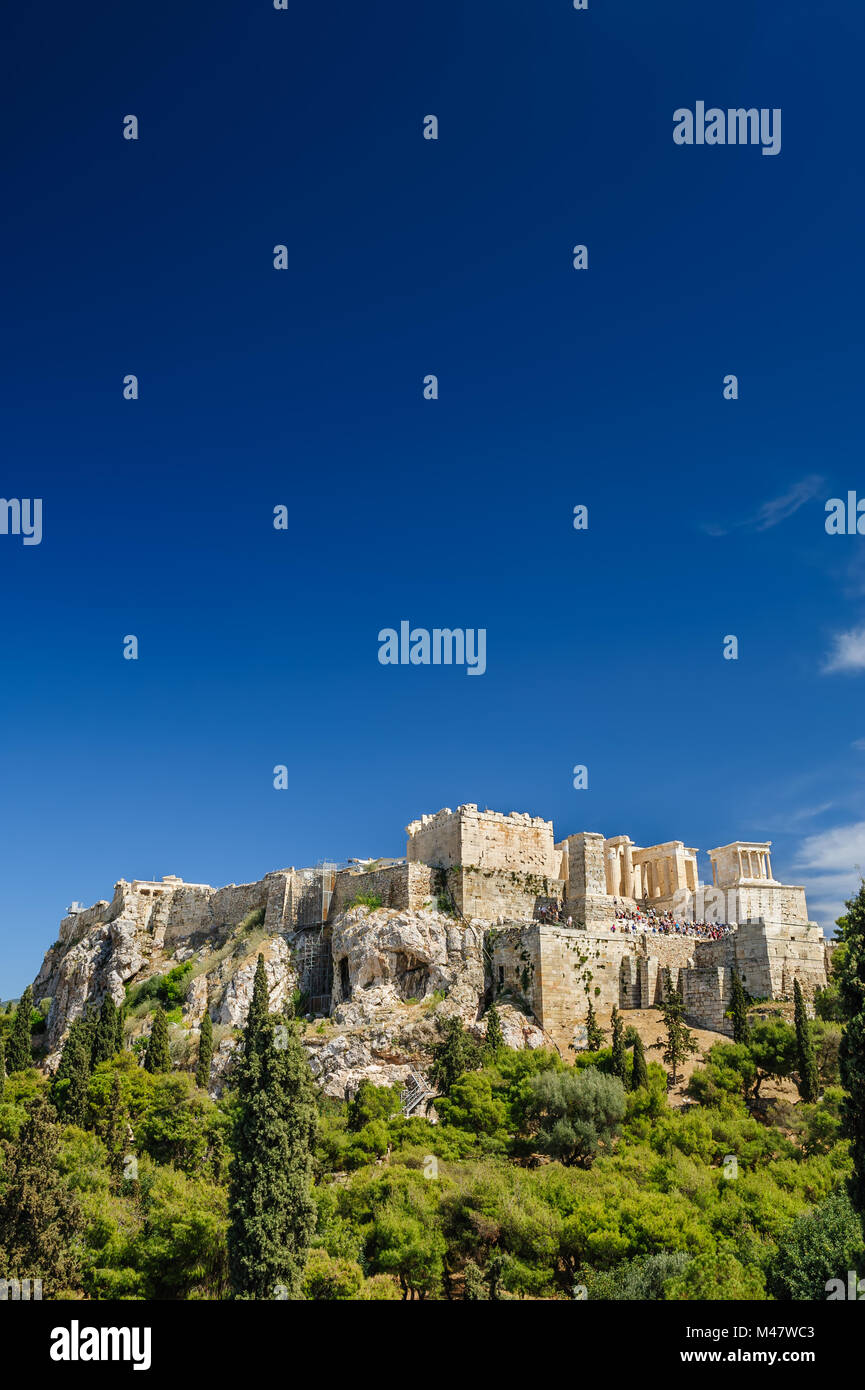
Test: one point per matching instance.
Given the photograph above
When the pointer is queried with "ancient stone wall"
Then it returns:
(485, 839)
(587, 898)
(706, 996)
(771, 955)
(558, 970)
(494, 893)
(404, 885)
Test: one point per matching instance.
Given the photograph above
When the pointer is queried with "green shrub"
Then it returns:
(169, 989)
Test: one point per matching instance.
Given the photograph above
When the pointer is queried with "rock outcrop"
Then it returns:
(396, 973)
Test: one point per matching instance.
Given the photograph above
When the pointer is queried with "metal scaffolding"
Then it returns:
(314, 965)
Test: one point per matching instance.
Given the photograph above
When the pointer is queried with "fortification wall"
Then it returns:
(771, 955)
(494, 893)
(407, 886)
(784, 904)
(706, 997)
(558, 970)
(485, 839)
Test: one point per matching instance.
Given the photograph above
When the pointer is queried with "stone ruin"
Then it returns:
(506, 877)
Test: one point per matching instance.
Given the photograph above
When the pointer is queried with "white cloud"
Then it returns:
(776, 510)
(841, 849)
(858, 743)
(848, 653)
(832, 862)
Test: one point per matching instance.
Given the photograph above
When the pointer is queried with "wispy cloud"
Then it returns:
(832, 862)
(775, 510)
(859, 743)
(848, 652)
(841, 849)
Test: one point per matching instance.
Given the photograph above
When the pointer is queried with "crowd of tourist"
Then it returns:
(650, 921)
(666, 924)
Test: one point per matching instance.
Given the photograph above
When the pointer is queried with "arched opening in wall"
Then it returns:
(344, 979)
(411, 976)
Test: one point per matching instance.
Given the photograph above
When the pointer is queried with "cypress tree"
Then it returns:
(619, 1066)
(680, 1042)
(105, 1033)
(594, 1032)
(40, 1218)
(852, 1050)
(2, 1066)
(809, 1083)
(157, 1056)
(120, 1035)
(495, 1038)
(205, 1052)
(69, 1089)
(739, 1009)
(114, 1130)
(18, 1053)
(639, 1072)
(271, 1207)
(258, 1016)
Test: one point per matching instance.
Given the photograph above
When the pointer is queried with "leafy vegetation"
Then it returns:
(542, 1174)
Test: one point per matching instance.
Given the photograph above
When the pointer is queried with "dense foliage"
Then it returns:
(543, 1175)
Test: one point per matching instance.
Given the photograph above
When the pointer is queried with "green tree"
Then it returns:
(71, 1080)
(639, 1071)
(271, 1206)
(157, 1056)
(406, 1239)
(594, 1032)
(679, 1043)
(738, 1010)
(40, 1218)
(455, 1053)
(572, 1113)
(852, 1050)
(2, 1066)
(371, 1103)
(113, 1130)
(18, 1053)
(772, 1046)
(818, 1247)
(475, 1288)
(205, 1052)
(809, 1084)
(495, 1038)
(620, 1068)
(105, 1034)
(256, 1030)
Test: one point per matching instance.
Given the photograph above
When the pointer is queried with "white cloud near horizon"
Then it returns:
(833, 862)
(841, 849)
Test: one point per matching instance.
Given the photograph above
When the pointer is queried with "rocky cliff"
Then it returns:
(395, 974)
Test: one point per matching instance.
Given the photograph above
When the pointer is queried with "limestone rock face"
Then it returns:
(237, 993)
(73, 980)
(397, 973)
(519, 1031)
(415, 953)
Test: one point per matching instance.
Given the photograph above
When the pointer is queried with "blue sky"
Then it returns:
(304, 388)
